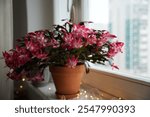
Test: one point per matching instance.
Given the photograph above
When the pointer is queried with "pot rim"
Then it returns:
(78, 65)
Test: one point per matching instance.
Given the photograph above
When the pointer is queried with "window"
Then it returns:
(130, 21)
(99, 13)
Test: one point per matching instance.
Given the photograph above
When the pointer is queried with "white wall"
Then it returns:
(39, 14)
(31, 15)
(6, 42)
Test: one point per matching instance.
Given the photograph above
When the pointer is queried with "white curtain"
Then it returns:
(6, 43)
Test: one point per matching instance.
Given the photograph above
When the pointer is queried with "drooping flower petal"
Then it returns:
(14, 75)
(105, 37)
(38, 77)
(114, 49)
(114, 66)
(72, 62)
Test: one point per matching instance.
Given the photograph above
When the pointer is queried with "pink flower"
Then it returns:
(81, 31)
(14, 75)
(16, 58)
(41, 38)
(68, 38)
(91, 39)
(54, 43)
(10, 59)
(38, 77)
(23, 55)
(32, 46)
(37, 37)
(105, 37)
(76, 43)
(67, 41)
(114, 49)
(40, 54)
(72, 62)
(71, 42)
(36, 50)
(40, 35)
(31, 35)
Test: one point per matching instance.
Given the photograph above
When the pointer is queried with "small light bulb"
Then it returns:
(86, 96)
(78, 96)
(17, 92)
(49, 88)
(21, 86)
(23, 79)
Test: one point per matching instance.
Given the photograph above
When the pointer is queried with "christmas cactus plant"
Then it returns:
(65, 45)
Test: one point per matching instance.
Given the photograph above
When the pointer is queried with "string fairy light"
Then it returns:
(78, 96)
(21, 86)
(86, 96)
(23, 79)
(85, 93)
(49, 88)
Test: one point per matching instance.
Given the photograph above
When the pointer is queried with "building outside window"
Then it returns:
(130, 21)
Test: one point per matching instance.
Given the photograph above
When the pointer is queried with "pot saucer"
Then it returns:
(66, 96)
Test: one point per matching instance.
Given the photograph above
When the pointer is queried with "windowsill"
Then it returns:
(47, 92)
(119, 84)
(113, 84)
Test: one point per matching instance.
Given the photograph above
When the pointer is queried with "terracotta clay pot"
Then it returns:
(67, 80)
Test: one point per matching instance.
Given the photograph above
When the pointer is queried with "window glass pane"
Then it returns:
(130, 21)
